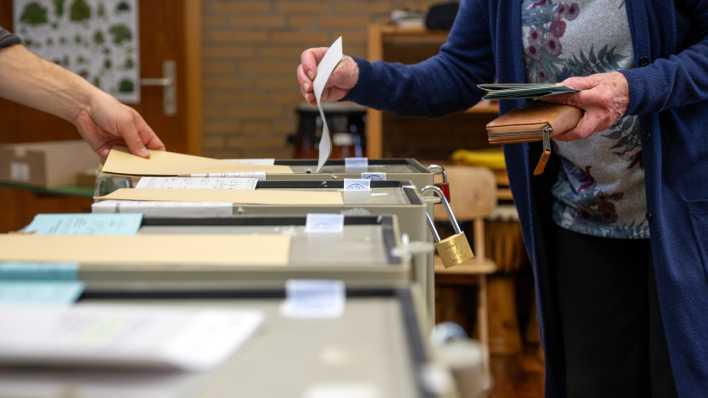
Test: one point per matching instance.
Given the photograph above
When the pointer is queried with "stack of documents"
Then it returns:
(122, 336)
(499, 91)
(163, 163)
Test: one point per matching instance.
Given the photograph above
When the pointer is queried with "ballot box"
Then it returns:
(305, 169)
(199, 253)
(377, 169)
(283, 198)
(372, 347)
(270, 198)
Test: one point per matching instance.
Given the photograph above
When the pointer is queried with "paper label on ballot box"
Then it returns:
(324, 223)
(314, 299)
(357, 185)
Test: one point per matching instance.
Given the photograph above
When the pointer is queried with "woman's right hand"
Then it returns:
(343, 79)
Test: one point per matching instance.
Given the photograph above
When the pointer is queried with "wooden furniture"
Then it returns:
(22, 202)
(170, 35)
(170, 30)
(473, 197)
(389, 135)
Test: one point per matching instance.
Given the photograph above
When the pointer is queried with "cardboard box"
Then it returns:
(46, 164)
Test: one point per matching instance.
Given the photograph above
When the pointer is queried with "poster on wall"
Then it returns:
(97, 39)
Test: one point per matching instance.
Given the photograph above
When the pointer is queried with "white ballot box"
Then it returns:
(223, 253)
(371, 347)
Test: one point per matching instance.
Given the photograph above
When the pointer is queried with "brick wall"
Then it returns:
(250, 51)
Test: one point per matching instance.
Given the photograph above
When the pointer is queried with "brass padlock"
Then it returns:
(453, 250)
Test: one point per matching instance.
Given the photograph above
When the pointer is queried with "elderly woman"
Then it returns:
(617, 227)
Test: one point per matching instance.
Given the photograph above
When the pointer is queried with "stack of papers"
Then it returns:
(39, 283)
(499, 91)
(122, 336)
(163, 163)
(149, 250)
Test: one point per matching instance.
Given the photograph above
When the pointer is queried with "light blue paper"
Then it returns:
(85, 224)
(40, 292)
(16, 271)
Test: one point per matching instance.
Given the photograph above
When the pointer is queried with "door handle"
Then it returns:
(169, 86)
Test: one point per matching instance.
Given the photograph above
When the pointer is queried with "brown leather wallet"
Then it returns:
(537, 122)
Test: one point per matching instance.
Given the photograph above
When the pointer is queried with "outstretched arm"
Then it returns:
(442, 84)
(101, 120)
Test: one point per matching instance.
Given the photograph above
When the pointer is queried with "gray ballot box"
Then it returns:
(376, 343)
(362, 255)
(378, 169)
(305, 169)
(399, 198)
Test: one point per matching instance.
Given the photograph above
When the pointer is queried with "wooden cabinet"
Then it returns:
(390, 135)
(21, 204)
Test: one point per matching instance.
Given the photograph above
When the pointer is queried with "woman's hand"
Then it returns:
(343, 79)
(604, 98)
(107, 123)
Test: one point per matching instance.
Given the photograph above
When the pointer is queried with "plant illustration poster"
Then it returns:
(97, 39)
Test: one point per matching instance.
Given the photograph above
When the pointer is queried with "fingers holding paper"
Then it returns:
(604, 97)
(108, 123)
(343, 79)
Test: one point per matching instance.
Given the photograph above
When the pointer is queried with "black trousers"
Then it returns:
(613, 338)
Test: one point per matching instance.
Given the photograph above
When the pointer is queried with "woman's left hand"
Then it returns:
(604, 98)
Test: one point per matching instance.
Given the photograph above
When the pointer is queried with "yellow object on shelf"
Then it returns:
(485, 158)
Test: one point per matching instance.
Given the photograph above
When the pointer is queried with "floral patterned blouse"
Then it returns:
(600, 186)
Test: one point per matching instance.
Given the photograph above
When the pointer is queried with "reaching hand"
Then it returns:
(343, 79)
(108, 123)
(604, 98)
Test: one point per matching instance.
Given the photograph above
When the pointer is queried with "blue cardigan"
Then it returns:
(668, 90)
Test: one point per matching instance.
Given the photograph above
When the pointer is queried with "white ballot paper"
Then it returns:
(221, 183)
(328, 64)
(122, 335)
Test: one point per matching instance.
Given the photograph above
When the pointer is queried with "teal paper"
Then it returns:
(40, 292)
(13, 271)
(85, 224)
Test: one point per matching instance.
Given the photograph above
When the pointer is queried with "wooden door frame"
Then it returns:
(193, 80)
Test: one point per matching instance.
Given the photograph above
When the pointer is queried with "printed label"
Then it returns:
(357, 185)
(324, 223)
(356, 163)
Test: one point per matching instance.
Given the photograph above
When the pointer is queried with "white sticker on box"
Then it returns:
(165, 209)
(343, 390)
(324, 223)
(357, 185)
(219, 183)
(356, 163)
(314, 299)
(254, 162)
(259, 175)
(374, 176)
(19, 171)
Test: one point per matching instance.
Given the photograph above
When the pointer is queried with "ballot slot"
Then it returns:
(386, 356)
